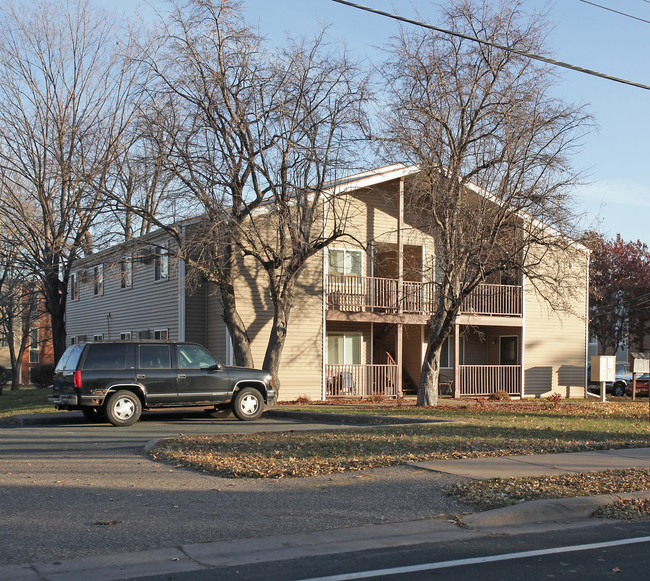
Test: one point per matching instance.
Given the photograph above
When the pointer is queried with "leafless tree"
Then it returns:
(64, 106)
(492, 143)
(257, 133)
(19, 312)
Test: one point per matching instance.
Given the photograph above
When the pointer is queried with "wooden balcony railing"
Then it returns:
(380, 295)
(477, 380)
(359, 381)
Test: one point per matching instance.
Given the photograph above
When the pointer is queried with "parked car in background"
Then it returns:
(642, 383)
(117, 380)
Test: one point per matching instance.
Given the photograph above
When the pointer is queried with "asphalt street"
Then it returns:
(78, 489)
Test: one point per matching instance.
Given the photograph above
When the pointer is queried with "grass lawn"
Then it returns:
(477, 430)
(27, 400)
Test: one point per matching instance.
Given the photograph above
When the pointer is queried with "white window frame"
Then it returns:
(158, 334)
(346, 251)
(98, 337)
(34, 345)
(161, 265)
(98, 280)
(345, 334)
(125, 336)
(126, 272)
(73, 283)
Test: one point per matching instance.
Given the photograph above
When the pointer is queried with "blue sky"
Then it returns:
(616, 198)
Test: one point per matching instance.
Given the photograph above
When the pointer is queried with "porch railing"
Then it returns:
(360, 381)
(373, 294)
(477, 380)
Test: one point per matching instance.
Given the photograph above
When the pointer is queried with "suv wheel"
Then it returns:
(618, 389)
(123, 408)
(248, 404)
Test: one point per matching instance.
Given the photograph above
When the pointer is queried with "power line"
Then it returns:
(616, 11)
(496, 45)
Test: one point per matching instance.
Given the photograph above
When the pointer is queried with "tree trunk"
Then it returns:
(277, 338)
(240, 341)
(428, 390)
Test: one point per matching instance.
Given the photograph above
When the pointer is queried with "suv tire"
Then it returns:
(123, 408)
(248, 404)
(618, 389)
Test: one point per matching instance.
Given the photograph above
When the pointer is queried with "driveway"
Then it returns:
(84, 489)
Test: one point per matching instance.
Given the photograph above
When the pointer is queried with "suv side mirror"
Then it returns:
(215, 367)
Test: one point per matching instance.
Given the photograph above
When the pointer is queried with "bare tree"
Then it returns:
(256, 135)
(64, 107)
(19, 312)
(492, 144)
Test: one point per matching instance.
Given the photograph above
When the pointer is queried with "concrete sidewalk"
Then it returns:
(541, 464)
(552, 514)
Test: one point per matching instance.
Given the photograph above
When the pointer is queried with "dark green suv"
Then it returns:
(119, 379)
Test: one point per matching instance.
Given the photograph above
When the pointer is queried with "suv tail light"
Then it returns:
(77, 379)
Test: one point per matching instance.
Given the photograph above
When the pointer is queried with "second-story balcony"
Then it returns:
(381, 295)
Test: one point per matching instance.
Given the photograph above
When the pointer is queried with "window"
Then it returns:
(155, 357)
(344, 349)
(73, 340)
(447, 352)
(106, 356)
(73, 283)
(161, 265)
(98, 338)
(344, 261)
(98, 278)
(125, 336)
(508, 350)
(33, 346)
(194, 357)
(126, 272)
(161, 334)
(3, 341)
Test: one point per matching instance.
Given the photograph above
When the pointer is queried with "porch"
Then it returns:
(362, 381)
(369, 294)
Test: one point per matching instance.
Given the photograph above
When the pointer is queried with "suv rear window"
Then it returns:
(70, 358)
(105, 356)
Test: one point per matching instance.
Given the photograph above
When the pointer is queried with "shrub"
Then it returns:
(302, 400)
(42, 375)
(499, 396)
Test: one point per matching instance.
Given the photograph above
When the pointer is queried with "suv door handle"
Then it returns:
(140, 376)
(182, 376)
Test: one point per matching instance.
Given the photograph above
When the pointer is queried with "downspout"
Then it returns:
(324, 311)
(181, 297)
(587, 327)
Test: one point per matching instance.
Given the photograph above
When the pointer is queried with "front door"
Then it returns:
(201, 379)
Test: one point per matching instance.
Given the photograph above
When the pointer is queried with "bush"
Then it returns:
(42, 375)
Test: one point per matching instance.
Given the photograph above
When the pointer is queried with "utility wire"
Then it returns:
(616, 11)
(496, 45)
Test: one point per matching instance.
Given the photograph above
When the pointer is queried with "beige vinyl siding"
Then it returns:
(147, 305)
(302, 356)
(555, 342)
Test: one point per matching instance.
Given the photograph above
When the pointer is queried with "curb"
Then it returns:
(547, 510)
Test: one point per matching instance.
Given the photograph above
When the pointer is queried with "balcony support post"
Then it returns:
(400, 287)
(456, 361)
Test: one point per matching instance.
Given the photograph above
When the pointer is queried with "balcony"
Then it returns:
(359, 381)
(358, 294)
